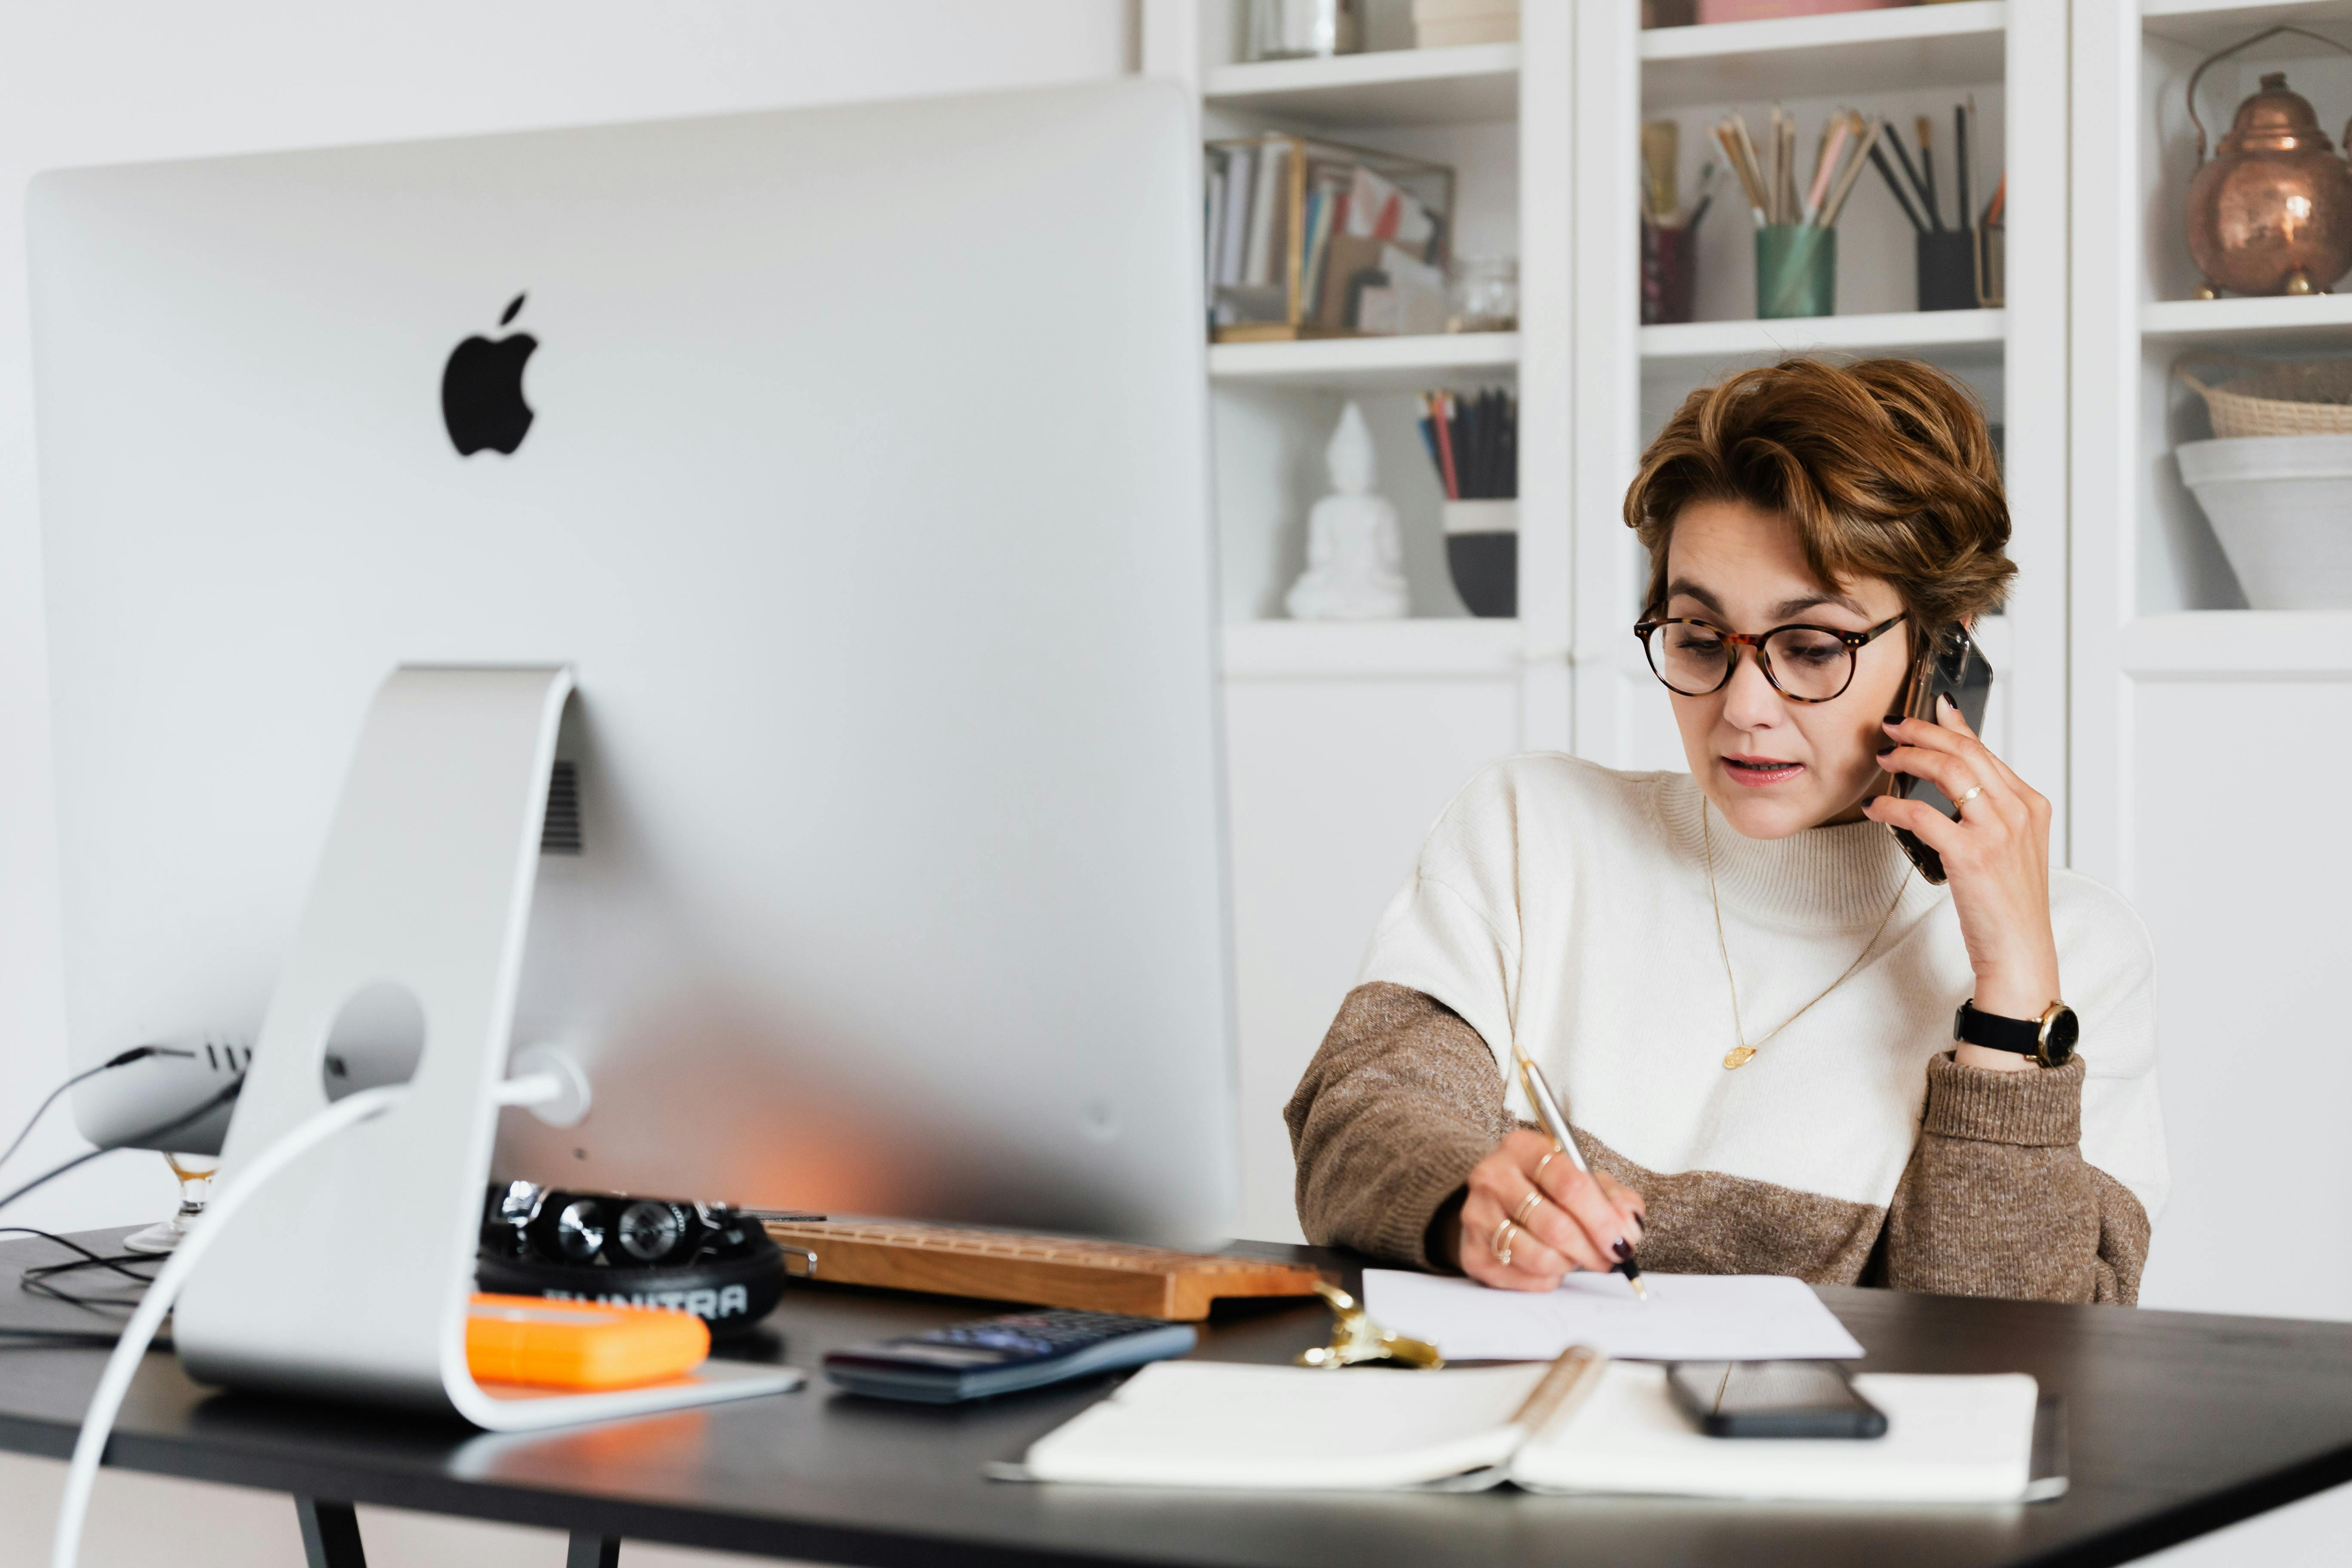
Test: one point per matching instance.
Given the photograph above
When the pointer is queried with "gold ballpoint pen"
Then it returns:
(1538, 1093)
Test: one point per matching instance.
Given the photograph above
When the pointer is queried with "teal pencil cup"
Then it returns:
(1796, 270)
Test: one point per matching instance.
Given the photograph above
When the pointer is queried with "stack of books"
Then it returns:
(1308, 238)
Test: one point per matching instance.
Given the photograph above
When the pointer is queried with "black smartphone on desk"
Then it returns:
(1772, 1399)
(1952, 665)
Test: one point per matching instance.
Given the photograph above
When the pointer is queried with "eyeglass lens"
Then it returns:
(1694, 660)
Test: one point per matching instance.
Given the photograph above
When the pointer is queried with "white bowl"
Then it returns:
(2282, 507)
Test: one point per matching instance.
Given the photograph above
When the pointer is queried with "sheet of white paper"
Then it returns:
(1688, 1317)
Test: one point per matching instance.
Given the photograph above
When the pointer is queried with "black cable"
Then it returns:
(88, 1259)
(144, 1138)
(136, 1053)
(35, 1282)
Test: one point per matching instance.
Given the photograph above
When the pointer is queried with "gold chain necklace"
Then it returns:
(1741, 1054)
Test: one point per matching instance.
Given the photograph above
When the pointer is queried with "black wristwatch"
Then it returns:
(2049, 1039)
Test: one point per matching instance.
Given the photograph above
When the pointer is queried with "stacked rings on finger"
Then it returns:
(1502, 1242)
(1527, 1207)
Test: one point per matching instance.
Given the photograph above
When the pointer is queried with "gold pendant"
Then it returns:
(1738, 1057)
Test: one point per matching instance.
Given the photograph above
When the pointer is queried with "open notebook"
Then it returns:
(1209, 1424)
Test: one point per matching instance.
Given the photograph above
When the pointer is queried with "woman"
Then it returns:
(1745, 996)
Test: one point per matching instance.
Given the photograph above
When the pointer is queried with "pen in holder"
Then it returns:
(1669, 271)
(1796, 213)
(1796, 270)
(1992, 268)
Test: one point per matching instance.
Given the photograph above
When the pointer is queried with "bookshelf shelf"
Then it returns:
(1370, 364)
(2284, 321)
(1948, 336)
(1823, 56)
(2204, 25)
(2240, 646)
(1430, 647)
(1467, 83)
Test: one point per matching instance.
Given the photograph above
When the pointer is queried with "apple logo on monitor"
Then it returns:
(481, 391)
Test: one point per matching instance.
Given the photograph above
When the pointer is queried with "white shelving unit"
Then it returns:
(1344, 740)
(1824, 57)
(2194, 719)
(2283, 321)
(2155, 601)
(2237, 646)
(1467, 83)
(1370, 364)
(1949, 334)
(1425, 649)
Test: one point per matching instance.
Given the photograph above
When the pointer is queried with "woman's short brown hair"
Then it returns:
(1885, 466)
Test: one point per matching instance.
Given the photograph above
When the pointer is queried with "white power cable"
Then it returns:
(123, 1364)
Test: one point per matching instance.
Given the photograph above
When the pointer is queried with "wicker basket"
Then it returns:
(2277, 397)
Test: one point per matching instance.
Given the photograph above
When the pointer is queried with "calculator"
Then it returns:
(1000, 1355)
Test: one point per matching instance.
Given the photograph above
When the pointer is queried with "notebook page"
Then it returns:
(1688, 1317)
(1948, 1439)
(1219, 1424)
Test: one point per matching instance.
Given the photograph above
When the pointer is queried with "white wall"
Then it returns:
(157, 78)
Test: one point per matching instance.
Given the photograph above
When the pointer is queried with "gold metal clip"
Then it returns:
(1356, 1339)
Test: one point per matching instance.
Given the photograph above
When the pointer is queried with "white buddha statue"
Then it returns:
(1355, 551)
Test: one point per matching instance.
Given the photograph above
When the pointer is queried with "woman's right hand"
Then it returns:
(1577, 1224)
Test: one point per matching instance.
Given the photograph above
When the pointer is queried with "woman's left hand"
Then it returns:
(1997, 856)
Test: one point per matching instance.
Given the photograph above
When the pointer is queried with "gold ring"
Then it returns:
(1527, 1207)
(1549, 1156)
(1501, 1245)
(1969, 797)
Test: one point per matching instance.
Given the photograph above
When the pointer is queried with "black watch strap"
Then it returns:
(2049, 1039)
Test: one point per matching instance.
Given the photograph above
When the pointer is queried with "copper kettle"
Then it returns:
(2272, 214)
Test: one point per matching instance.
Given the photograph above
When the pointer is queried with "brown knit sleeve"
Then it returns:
(1999, 1201)
(1400, 1102)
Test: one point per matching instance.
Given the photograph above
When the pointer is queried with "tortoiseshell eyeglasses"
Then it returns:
(1804, 664)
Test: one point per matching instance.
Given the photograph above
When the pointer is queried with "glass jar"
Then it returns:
(1303, 29)
(1486, 292)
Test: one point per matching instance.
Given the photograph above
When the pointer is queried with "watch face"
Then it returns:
(2059, 1038)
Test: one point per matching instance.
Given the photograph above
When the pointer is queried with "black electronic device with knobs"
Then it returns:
(710, 1259)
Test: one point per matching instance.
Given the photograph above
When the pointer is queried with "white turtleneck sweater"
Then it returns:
(1564, 906)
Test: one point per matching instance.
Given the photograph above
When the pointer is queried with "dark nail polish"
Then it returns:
(1891, 719)
(1625, 1252)
(1885, 749)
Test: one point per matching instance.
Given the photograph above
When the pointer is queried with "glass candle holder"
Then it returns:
(1486, 295)
(1304, 29)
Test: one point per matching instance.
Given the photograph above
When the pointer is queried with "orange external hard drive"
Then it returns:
(580, 1345)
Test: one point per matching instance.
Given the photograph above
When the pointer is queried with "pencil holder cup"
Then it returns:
(1669, 273)
(1482, 550)
(1992, 271)
(1948, 269)
(1796, 270)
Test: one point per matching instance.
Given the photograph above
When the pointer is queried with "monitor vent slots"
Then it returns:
(561, 832)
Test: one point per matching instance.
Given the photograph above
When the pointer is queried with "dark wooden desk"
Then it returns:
(2178, 1425)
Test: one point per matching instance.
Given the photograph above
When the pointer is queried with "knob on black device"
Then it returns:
(709, 1259)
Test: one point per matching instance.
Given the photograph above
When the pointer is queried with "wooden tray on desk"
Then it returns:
(1045, 1270)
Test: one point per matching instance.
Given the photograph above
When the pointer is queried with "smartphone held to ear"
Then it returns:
(1950, 665)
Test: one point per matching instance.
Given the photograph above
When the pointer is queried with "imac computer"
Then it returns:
(850, 465)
